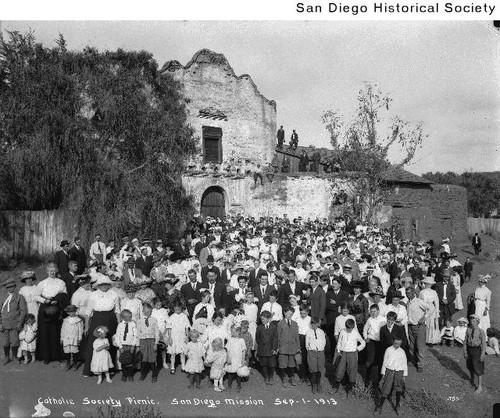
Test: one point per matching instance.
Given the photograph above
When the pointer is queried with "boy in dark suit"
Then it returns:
(267, 346)
(288, 345)
(390, 331)
(13, 310)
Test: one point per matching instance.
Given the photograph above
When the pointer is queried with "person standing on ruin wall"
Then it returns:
(303, 161)
(294, 140)
(281, 137)
(285, 165)
(258, 174)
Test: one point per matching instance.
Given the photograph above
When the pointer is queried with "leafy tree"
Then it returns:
(101, 133)
(363, 142)
(443, 178)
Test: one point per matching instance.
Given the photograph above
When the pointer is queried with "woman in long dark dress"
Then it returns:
(53, 299)
(103, 308)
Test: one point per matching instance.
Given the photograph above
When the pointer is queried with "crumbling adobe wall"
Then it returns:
(209, 82)
(306, 196)
(427, 212)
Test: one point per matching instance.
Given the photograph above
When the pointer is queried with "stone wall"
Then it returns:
(427, 212)
(305, 196)
(210, 83)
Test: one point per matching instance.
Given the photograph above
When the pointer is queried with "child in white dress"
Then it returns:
(177, 329)
(251, 311)
(101, 359)
(71, 334)
(236, 351)
(161, 315)
(194, 365)
(492, 347)
(27, 337)
(460, 331)
(447, 333)
(217, 358)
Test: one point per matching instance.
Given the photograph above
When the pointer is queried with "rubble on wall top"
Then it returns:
(212, 113)
(208, 57)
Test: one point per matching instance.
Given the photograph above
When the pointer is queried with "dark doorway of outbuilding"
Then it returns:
(213, 202)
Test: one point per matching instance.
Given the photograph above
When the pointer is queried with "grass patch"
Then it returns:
(420, 402)
(425, 402)
(136, 411)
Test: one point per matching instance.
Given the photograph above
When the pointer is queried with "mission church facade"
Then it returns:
(236, 126)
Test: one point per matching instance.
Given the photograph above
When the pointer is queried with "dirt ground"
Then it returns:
(445, 376)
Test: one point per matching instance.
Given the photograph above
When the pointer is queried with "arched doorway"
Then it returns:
(213, 202)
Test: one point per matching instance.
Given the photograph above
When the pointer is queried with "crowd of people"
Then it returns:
(238, 295)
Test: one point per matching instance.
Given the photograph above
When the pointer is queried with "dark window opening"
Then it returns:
(212, 144)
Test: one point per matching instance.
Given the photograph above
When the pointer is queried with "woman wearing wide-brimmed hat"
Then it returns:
(103, 309)
(482, 300)
(430, 296)
(30, 290)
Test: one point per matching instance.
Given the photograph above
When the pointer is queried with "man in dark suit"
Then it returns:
(317, 299)
(144, 263)
(70, 278)
(200, 244)
(281, 137)
(447, 294)
(335, 298)
(209, 267)
(393, 268)
(391, 330)
(217, 290)
(468, 267)
(236, 295)
(61, 258)
(191, 292)
(131, 274)
(77, 253)
(291, 287)
(225, 274)
(253, 276)
(262, 291)
(476, 243)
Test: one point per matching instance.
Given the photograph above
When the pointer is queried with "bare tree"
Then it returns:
(362, 145)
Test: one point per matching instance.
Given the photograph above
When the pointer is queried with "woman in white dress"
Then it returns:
(482, 300)
(216, 330)
(430, 296)
(455, 280)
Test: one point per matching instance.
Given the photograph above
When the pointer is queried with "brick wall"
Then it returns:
(209, 82)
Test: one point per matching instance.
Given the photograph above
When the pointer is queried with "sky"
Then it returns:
(445, 74)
